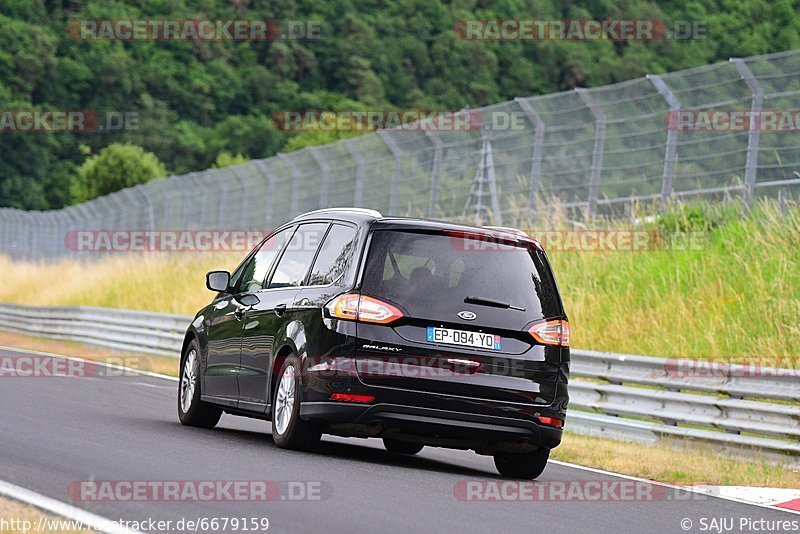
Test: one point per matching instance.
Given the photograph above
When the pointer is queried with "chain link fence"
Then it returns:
(593, 151)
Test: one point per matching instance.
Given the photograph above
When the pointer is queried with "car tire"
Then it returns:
(191, 410)
(288, 430)
(395, 446)
(526, 466)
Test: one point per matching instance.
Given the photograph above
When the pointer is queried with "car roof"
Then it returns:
(377, 220)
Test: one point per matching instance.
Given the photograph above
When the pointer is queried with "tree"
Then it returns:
(226, 159)
(115, 167)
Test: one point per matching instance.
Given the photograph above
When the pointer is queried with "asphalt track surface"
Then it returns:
(58, 430)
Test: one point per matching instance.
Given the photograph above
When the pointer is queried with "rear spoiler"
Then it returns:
(517, 232)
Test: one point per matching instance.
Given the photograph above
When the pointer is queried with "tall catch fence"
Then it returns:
(595, 151)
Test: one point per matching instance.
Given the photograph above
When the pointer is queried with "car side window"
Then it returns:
(256, 269)
(334, 255)
(296, 260)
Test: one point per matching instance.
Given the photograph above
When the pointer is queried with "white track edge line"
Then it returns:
(668, 485)
(62, 509)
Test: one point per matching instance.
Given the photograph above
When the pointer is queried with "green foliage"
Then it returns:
(698, 217)
(117, 166)
(196, 100)
(226, 159)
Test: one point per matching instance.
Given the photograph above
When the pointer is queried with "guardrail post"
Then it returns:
(324, 186)
(397, 153)
(754, 135)
(358, 195)
(295, 199)
(536, 154)
(599, 146)
(435, 172)
(262, 166)
(672, 138)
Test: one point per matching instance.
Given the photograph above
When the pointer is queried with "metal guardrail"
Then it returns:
(136, 331)
(625, 397)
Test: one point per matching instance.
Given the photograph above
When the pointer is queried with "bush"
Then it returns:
(116, 167)
(226, 159)
(700, 217)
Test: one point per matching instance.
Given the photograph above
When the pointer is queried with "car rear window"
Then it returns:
(428, 272)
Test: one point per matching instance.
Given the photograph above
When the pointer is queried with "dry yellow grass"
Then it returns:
(21, 517)
(155, 282)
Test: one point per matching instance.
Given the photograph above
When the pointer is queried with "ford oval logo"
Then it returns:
(467, 315)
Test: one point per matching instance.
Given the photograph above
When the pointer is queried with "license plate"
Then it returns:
(463, 338)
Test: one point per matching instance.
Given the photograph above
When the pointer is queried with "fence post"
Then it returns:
(599, 146)
(783, 199)
(324, 179)
(49, 251)
(536, 154)
(70, 226)
(295, 199)
(754, 135)
(186, 202)
(16, 232)
(151, 222)
(484, 179)
(358, 195)
(672, 137)
(3, 230)
(397, 153)
(243, 204)
(436, 172)
(64, 223)
(265, 170)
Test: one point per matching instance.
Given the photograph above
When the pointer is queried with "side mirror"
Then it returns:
(218, 280)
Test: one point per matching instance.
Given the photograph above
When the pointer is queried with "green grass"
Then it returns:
(738, 297)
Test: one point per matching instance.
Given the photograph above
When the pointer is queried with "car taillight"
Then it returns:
(551, 421)
(551, 332)
(362, 308)
(351, 397)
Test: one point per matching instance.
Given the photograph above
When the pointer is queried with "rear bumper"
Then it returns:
(484, 433)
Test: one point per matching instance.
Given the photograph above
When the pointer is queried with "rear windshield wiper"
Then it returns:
(483, 301)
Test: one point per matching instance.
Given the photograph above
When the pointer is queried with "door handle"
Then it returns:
(280, 309)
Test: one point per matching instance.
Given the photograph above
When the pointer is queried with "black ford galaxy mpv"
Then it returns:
(419, 332)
